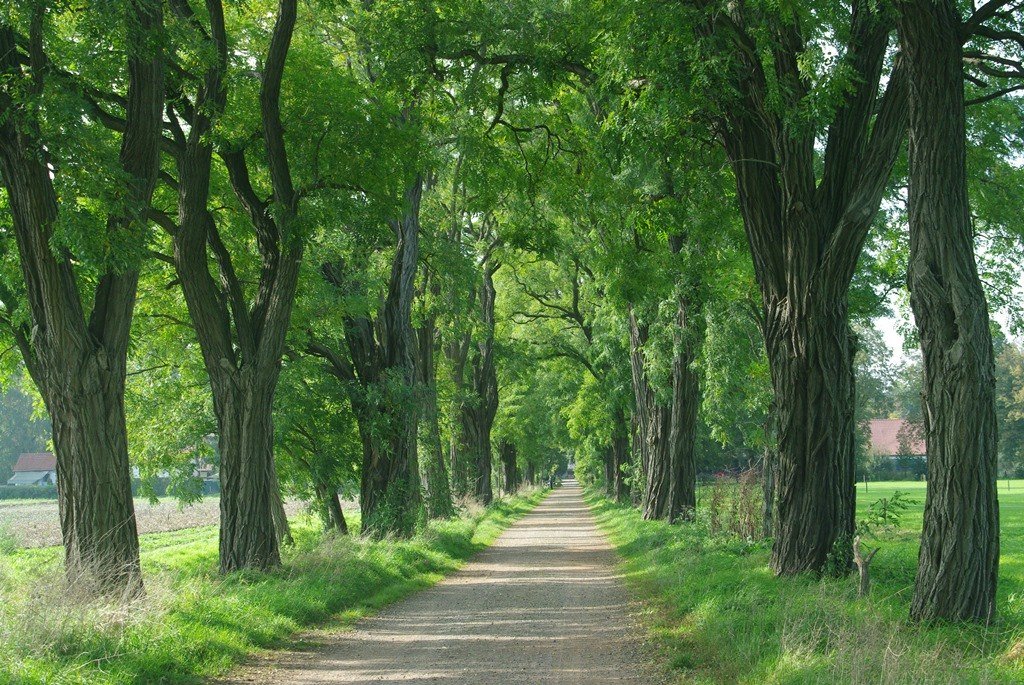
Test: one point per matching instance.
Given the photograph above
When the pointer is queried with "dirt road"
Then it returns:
(542, 605)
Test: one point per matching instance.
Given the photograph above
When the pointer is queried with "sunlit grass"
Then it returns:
(722, 617)
(194, 623)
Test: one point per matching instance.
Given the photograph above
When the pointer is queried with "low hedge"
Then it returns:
(28, 492)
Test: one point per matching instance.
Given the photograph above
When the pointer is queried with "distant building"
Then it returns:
(896, 450)
(36, 468)
(896, 438)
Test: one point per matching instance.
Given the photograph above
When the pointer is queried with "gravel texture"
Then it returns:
(544, 604)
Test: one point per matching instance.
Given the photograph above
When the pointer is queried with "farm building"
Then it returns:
(896, 438)
(35, 468)
(896, 449)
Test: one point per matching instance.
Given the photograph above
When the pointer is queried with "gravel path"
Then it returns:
(542, 605)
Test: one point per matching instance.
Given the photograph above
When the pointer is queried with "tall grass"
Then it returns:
(193, 623)
(722, 617)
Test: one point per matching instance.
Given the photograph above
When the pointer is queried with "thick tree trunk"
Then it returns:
(459, 462)
(959, 558)
(667, 430)
(248, 536)
(477, 431)
(811, 354)
(241, 338)
(78, 361)
(97, 515)
(806, 216)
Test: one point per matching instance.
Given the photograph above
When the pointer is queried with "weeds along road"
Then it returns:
(544, 604)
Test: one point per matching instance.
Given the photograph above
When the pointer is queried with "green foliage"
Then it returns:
(885, 514)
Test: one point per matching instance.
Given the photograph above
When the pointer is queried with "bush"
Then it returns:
(8, 492)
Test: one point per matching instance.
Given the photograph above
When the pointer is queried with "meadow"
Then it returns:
(722, 617)
(193, 623)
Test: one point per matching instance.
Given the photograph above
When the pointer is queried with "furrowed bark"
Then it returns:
(242, 339)
(248, 537)
(805, 238)
(654, 425)
(382, 366)
(959, 558)
(667, 431)
(390, 496)
(79, 362)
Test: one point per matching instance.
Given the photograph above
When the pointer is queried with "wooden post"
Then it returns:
(863, 563)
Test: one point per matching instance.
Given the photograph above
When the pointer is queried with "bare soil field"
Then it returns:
(34, 523)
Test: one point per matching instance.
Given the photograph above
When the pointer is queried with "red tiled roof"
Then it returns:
(36, 461)
(895, 436)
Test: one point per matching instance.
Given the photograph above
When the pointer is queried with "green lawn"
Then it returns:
(193, 623)
(722, 617)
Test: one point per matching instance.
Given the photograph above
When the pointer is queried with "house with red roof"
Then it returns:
(896, 438)
(35, 468)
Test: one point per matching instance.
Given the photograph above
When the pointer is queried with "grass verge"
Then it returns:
(722, 617)
(193, 623)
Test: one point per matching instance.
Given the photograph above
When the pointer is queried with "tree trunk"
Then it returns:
(390, 491)
(478, 413)
(97, 514)
(330, 505)
(78, 361)
(531, 473)
(248, 536)
(608, 461)
(281, 526)
(438, 495)
(668, 431)
(241, 338)
(685, 402)
(477, 430)
(959, 558)
(459, 457)
(806, 212)
(654, 426)
(509, 457)
(337, 513)
(815, 471)
(620, 455)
